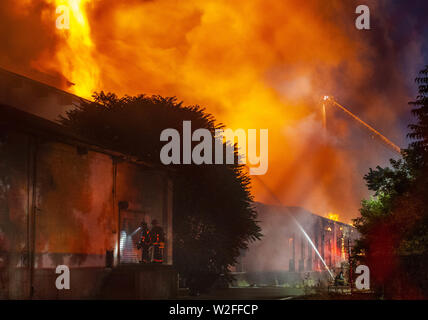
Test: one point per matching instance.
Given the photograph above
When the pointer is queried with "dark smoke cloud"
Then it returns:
(27, 34)
(391, 54)
(373, 78)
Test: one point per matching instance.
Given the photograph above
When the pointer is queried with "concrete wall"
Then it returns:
(35, 97)
(75, 219)
(140, 282)
(124, 282)
(59, 206)
(14, 208)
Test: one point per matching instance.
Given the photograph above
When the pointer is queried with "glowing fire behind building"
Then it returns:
(253, 64)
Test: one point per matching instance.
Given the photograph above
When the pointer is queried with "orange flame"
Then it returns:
(253, 64)
(333, 216)
(76, 54)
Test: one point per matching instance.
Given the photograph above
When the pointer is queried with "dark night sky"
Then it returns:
(403, 26)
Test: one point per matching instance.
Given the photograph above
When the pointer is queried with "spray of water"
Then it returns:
(135, 231)
(313, 246)
(273, 195)
(124, 237)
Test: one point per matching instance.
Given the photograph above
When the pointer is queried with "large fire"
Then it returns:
(253, 64)
(76, 54)
(333, 216)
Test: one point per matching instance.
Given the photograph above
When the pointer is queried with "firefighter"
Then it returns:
(157, 239)
(144, 242)
(339, 280)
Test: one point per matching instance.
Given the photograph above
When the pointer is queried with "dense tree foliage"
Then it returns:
(394, 222)
(213, 215)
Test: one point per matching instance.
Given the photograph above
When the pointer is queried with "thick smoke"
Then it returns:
(253, 64)
(28, 36)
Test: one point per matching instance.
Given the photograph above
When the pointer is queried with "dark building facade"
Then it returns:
(296, 243)
(67, 201)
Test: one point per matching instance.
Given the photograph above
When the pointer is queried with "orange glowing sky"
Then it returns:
(253, 64)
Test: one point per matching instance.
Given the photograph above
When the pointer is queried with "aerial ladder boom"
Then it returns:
(328, 99)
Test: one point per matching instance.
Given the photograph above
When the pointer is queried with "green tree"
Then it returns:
(213, 213)
(394, 222)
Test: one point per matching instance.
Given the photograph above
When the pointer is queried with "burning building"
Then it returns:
(296, 243)
(68, 201)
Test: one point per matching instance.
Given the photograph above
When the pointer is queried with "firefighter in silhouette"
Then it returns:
(144, 243)
(157, 239)
(340, 279)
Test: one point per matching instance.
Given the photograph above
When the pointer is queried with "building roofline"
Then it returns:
(39, 83)
(21, 121)
(281, 208)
